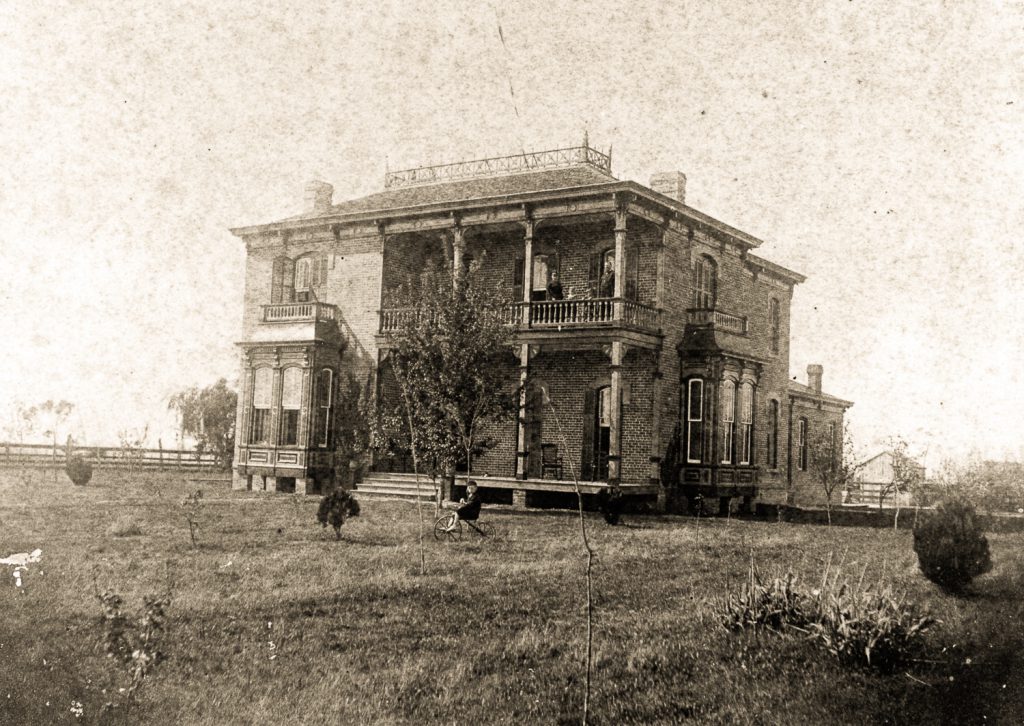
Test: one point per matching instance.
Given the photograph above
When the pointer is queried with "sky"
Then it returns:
(877, 148)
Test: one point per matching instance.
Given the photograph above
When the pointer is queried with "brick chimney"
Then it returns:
(319, 196)
(814, 373)
(671, 184)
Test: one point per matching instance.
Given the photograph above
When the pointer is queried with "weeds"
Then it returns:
(193, 506)
(133, 643)
(861, 626)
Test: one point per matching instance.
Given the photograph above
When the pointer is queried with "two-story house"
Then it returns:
(659, 337)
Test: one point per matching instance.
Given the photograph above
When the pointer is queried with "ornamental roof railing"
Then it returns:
(500, 165)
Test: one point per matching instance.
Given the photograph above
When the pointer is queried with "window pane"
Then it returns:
(262, 387)
(323, 392)
(693, 406)
(605, 407)
(291, 389)
(260, 425)
(289, 428)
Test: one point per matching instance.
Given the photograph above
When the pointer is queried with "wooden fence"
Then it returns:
(44, 455)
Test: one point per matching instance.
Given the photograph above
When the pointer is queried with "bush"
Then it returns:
(79, 470)
(951, 546)
(865, 627)
(335, 507)
(124, 526)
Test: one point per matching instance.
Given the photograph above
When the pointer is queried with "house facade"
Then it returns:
(663, 349)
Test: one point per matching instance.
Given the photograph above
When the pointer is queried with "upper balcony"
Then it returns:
(550, 320)
(718, 320)
(295, 322)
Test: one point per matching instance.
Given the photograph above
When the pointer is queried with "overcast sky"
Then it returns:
(878, 148)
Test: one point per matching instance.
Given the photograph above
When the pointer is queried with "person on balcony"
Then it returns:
(607, 286)
(555, 287)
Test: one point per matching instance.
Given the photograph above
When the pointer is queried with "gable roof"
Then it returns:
(800, 389)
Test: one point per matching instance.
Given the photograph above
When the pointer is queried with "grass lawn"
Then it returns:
(275, 622)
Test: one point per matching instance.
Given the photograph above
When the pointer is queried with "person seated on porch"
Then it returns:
(609, 502)
(468, 508)
(555, 287)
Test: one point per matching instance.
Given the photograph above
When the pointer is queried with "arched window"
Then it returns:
(705, 283)
(694, 420)
(291, 406)
(259, 432)
(773, 324)
(746, 423)
(324, 402)
(727, 414)
(801, 444)
(310, 273)
(772, 442)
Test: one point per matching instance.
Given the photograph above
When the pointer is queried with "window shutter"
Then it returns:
(323, 270)
(518, 275)
(632, 273)
(315, 277)
(589, 415)
(277, 281)
(594, 277)
(288, 280)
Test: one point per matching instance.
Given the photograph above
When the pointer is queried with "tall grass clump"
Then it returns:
(861, 626)
(951, 546)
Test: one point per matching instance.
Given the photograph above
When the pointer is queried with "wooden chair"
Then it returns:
(551, 462)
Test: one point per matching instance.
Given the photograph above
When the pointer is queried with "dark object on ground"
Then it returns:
(79, 470)
(335, 508)
(951, 546)
(609, 502)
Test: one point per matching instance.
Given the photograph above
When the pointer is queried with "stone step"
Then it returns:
(375, 487)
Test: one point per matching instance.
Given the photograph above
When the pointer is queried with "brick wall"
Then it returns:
(807, 489)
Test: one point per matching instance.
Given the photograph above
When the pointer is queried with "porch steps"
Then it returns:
(402, 486)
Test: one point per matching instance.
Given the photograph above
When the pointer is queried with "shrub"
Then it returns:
(335, 507)
(124, 526)
(79, 470)
(859, 626)
(951, 546)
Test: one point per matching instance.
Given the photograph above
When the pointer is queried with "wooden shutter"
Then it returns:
(589, 416)
(632, 273)
(323, 270)
(594, 278)
(314, 278)
(288, 281)
(518, 277)
(277, 281)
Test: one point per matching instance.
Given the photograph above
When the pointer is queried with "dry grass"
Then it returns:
(274, 622)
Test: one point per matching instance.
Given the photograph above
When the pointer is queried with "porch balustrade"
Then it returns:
(553, 314)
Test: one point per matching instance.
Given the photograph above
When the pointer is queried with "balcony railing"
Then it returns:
(717, 319)
(515, 164)
(299, 312)
(548, 314)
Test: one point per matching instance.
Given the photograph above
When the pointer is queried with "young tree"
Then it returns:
(130, 442)
(449, 357)
(833, 468)
(51, 414)
(208, 415)
(906, 474)
(452, 353)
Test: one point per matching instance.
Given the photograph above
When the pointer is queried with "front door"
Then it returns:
(602, 433)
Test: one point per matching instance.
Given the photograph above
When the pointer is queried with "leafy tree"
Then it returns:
(951, 546)
(834, 469)
(208, 415)
(453, 353)
(352, 425)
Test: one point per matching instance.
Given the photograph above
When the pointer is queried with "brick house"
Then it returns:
(667, 356)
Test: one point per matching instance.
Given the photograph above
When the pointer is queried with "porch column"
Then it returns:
(524, 370)
(458, 252)
(527, 269)
(614, 434)
(620, 260)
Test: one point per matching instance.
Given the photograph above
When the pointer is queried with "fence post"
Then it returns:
(160, 446)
